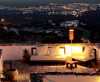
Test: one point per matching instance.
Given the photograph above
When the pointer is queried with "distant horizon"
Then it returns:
(22, 3)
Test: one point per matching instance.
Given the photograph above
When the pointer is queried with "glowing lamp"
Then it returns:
(71, 34)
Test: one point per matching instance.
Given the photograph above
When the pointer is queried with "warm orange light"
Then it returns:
(71, 49)
(97, 79)
(76, 51)
(62, 52)
(71, 34)
(22, 77)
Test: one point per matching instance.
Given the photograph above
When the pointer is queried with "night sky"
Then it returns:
(32, 2)
(45, 1)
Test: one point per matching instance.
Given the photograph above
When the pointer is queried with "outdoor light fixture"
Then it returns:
(71, 34)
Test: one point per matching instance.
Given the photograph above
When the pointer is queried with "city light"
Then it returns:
(64, 7)
(97, 79)
(2, 19)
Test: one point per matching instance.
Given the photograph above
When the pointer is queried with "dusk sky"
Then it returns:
(30, 2)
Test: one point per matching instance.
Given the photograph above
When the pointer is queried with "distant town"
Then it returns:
(32, 23)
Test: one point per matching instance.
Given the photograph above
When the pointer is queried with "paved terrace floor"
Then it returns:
(27, 68)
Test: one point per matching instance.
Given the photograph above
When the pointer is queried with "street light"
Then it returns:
(71, 38)
(71, 34)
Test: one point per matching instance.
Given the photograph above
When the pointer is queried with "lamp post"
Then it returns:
(71, 38)
(71, 34)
